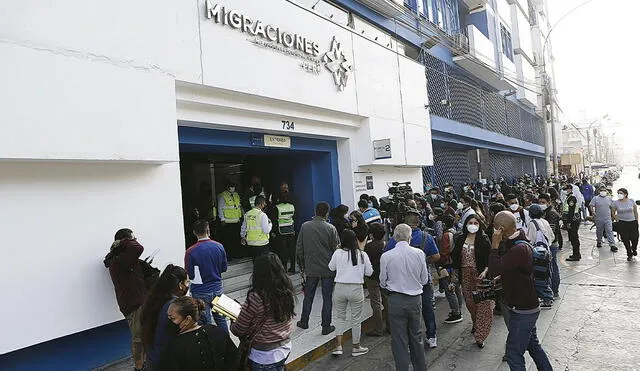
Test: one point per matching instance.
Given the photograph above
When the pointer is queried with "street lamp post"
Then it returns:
(547, 91)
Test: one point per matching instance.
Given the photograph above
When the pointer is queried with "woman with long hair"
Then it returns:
(338, 217)
(359, 225)
(351, 264)
(172, 284)
(470, 257)
(267, 314)
(195, 347)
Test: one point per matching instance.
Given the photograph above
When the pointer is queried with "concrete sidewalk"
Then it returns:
(595, 325)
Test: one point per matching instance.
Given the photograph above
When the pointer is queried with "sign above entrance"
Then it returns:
(293, 44)
(266, 140)
(382, 149)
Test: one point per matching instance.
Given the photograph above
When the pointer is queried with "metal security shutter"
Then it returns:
(450, 165)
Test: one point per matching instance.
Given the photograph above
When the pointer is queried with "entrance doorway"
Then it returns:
(209, 158)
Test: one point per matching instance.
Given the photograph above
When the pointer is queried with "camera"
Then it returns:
(487, 290)
(394, 207)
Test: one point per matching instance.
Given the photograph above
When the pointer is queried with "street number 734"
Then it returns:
(288, 125)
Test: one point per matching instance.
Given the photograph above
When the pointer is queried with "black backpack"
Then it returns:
(150, 273)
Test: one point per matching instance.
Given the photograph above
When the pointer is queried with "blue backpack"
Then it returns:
(541, 255)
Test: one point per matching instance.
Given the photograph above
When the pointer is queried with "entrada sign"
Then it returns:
(293, 44)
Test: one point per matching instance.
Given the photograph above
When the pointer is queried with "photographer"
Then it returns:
(515, 266)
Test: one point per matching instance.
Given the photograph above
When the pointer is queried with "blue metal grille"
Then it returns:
(472, 104)
(450, 165)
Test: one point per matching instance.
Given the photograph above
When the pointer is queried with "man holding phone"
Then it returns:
(515, 267)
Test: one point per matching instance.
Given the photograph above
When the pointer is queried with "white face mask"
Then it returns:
(514, 207)
(434, 196)
(465, 189)
(472, 228)
(621, 196)
(232, 189)
(442, 206)
(543, 207)
(604, 194)
(432, 217)
(460, 206)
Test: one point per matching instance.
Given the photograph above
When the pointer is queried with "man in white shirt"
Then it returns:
(403, 273)
(520, 213)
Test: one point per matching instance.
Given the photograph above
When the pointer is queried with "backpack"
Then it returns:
(150, 273)
(541, 264)
(445, 247)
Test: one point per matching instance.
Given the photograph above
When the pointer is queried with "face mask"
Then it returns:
(514, 207)
(543, 207)
(173, 328)
(465, 189)
(232, 189)
(472, 228)
(460, 206)
(434, 196)
(432, 217)
(370, 204)
(491, 187)
(621, 196)
(604, 194)
(442, 206)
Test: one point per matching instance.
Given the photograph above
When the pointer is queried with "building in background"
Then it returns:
(483, 62)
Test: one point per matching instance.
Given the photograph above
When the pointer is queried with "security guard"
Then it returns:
(286, 237)
(256, 228)
(230, 213)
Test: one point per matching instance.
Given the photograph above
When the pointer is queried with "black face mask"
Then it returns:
(173, 329)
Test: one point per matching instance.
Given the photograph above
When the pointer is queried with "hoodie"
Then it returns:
(126, 274)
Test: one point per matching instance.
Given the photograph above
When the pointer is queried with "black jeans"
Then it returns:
(573, 237)
(629, 235)
(229, 235)
(286, 250)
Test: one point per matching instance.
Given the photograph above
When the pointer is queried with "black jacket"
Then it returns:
(482, 247)
(553, 217)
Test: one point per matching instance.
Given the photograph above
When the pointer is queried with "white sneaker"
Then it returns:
(359, 351)
(433, 343)
(337, 351)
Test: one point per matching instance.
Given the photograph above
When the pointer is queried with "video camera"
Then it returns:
(487, 290)
(394, 207)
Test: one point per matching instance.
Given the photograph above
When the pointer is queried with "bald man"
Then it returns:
(515, 267)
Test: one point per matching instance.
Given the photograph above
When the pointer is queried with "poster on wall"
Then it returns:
(363, 183)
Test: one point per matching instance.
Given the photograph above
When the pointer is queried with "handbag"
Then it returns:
(245, 345)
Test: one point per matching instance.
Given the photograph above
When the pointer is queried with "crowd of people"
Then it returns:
(492, 248)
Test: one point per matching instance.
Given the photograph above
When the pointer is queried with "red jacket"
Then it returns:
(126, 274)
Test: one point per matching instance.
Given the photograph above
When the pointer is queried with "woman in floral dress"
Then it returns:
(470, 257)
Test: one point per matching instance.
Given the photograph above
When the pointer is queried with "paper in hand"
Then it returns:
(226, 306)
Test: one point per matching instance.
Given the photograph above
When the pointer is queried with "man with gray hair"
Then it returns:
(403, 273)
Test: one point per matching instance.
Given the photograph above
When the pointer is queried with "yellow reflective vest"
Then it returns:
(232, 212)
(285, 218)
(255, 235)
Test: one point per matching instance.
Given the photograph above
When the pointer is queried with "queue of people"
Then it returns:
(492, 251)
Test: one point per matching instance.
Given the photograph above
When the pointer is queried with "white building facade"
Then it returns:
(101, 102)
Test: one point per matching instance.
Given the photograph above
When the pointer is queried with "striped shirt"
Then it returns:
(252, 314)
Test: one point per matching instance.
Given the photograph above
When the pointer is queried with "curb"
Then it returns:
(322, 350)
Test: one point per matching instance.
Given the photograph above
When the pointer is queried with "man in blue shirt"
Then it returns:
(205, 262)
(424, 241)
(369, 214)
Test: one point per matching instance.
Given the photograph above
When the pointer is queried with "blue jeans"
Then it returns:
(310, 286)
(428, 313)
(279, 366)
(523, 337)
(210, 316)
(555, 272)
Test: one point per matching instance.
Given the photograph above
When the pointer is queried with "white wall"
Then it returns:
(87, 82)
(57, 222)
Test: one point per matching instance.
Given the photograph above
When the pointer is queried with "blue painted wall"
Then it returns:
(81, 351)
(479, 19)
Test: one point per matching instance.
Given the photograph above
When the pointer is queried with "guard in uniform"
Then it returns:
(285, 232)
(256, 228)
(230, 213)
